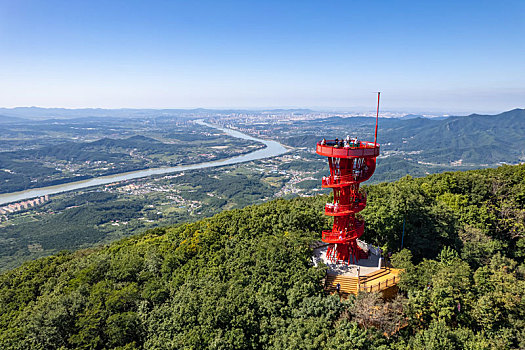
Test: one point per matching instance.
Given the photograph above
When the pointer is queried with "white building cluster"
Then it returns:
(13, 207)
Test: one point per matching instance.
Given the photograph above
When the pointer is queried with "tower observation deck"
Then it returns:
(351, 162)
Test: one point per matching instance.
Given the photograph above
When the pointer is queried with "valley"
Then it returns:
(117, 208)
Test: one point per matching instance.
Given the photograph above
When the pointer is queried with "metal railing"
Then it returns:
(365, 149)
(341, 179)
(331, 208)
(341, 237)
(351, 144)
(345, 180)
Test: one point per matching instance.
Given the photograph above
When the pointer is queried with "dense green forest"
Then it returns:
(73, 221)
(243, 279)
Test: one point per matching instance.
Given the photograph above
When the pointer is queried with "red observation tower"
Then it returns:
(351, 162)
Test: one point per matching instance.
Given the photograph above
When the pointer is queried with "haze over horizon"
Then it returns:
(445, 57)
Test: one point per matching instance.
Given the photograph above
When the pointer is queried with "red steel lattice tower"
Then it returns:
(349, 166)
(351, 162)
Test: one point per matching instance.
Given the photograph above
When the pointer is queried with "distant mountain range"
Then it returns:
(38, 113)
(17, 114)
(4, 119)
(413, 116)
(474, 139)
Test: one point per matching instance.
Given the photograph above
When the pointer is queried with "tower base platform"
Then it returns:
(368, 275)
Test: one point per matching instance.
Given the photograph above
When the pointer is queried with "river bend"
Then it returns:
(272, 149)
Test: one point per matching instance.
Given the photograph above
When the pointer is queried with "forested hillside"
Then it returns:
(474, 139)
(244, 278)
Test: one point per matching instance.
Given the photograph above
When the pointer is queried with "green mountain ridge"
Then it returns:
(474, 139)
(243, 279)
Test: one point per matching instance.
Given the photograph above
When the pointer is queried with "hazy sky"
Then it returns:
(449, 56)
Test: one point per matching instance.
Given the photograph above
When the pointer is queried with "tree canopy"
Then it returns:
(244, 279)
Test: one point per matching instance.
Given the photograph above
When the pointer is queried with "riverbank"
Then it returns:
(272, 149)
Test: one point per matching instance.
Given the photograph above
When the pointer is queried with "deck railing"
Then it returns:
(352, 144)
(341, 179)
(329, 236)
(331, 208)
(365, 149)
(379, 286)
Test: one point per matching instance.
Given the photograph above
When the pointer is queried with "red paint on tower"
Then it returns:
(351, 162)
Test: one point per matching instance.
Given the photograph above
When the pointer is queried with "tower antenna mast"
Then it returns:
(377, 117)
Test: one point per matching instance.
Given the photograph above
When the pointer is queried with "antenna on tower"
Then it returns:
(377, 117)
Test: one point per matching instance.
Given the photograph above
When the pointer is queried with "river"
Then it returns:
(272, 149)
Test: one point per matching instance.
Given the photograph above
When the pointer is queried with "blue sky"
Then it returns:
(457, 56)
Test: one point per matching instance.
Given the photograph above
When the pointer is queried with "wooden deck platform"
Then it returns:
(377, 281)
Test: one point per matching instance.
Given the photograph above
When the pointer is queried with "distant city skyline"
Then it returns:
(441, 57)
